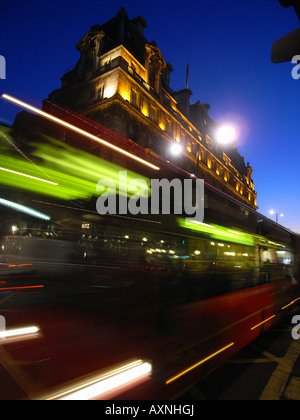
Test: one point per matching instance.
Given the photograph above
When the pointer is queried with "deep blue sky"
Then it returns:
(228, 46)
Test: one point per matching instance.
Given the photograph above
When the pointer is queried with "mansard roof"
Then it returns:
(120, 30)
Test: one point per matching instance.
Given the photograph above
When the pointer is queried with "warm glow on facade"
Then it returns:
(145, 110)
(110, 88)
(125, 93)
(133, 97)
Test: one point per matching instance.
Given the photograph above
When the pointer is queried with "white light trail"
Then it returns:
(77, 130)
(106, 382)
(18, 332)
(28, 176)
(24, 209)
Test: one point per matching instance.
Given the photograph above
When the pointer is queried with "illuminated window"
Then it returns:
(99, 92)
(153, 114)
(145, 106)
(182, 136)
(132, 132)
(134, 98)
(169, 126)
(194, 149)
(226, 159)
(162, 122)
(226, 176)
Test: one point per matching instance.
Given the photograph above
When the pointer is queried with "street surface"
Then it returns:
(267, 369)
(75, 339)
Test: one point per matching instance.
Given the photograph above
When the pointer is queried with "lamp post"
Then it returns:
(277, 214)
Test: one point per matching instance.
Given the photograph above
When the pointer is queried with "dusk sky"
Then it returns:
(228, 46)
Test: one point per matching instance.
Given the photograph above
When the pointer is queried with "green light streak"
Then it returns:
(72, 174)
(218, 232)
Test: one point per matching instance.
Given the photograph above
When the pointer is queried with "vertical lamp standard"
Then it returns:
(277, 214)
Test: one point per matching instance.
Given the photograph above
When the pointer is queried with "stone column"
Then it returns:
(158, 67)
(97, 53)
(147, 61)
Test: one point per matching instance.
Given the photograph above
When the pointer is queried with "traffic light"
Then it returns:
(285, 48)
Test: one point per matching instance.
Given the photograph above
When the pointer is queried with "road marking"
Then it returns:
(24, 381)
(247, 361)
(196, 394)
(292, 391)
(7, 297)
(277, 383)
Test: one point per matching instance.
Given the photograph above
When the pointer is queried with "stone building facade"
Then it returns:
(122, 82)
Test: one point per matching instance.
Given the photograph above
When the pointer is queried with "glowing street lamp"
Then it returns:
(277, 214)
(226, 134)
(176, 149)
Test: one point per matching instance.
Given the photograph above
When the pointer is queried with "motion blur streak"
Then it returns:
(18, 332)
(106, 382)
(198, 364)
(61, 162)
(21, 287)
(24, 209)
(263, 322)
(291, 303)
(77, 130)
(218, 232)
(28, 176)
